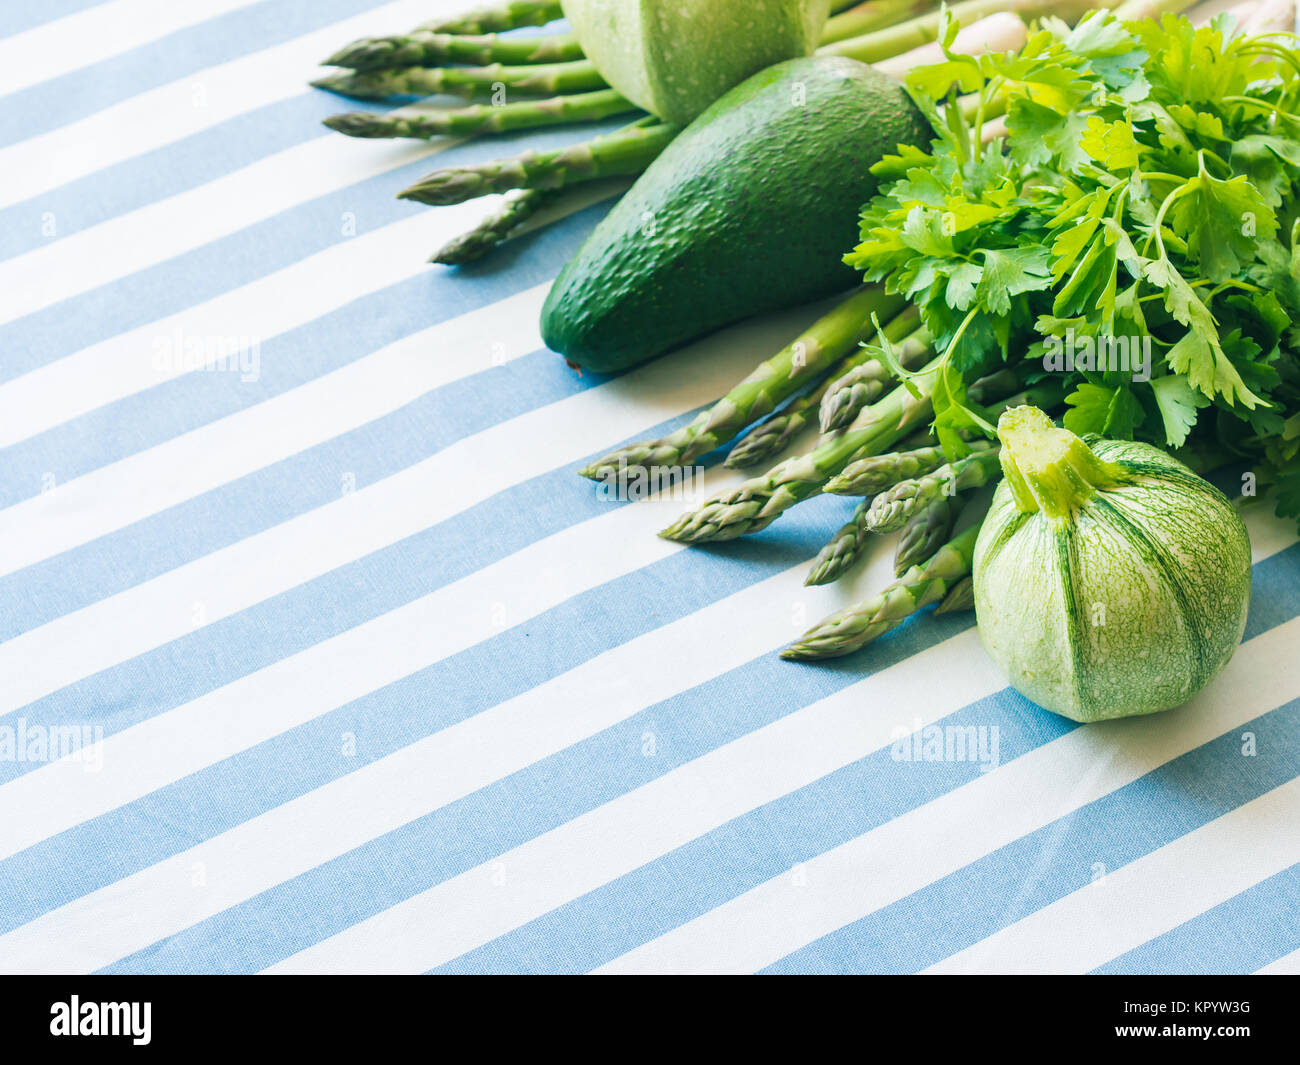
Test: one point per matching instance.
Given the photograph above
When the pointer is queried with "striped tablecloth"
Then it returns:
(322, 658)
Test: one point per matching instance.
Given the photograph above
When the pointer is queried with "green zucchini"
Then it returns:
(1110, 580)
(675, 57)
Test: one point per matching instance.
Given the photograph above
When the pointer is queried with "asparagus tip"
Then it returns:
(354, 124)
(817, 576)
(434, 193)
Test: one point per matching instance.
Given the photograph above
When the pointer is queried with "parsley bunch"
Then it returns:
(1145, 187)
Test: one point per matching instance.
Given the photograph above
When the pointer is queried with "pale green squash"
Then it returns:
(1110, 580)
(675, 57)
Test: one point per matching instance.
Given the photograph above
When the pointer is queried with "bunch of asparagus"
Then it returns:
(874, 443)
(545, 80)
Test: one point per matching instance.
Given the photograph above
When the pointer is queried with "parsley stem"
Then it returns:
(1160, 218)
(1234, 283)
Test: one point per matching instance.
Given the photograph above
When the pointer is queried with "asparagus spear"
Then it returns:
(925, 532)
(892, 40)
(771, 436)
(961, 596)
(543, 79)
(839, 554)
(626, 151)
(863, 383)
(498, 19)
(871, 15)
(876, 473)
(495, 228)
(856, 626)
(425, 48)
(771, 382)
(891, 510)
(483, 118)
(759, 501)
(475, 39)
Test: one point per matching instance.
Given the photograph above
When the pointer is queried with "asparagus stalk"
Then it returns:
(627, 151)
(756, 503)
(482, 118)
(756, 395)
(543, 79)
(961, 596)
(925, 532)
(892, 510)
(856, 626)
(841, 551)
(862, 384)
(475, 39)
(876, 473)
(495, 228)
(771, 382)
(771, 436)
(921, 30)
(871, 15)
(759, 501)
(499, 18)
(425, 48)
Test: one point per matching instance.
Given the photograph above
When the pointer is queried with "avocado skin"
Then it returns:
(751, 208)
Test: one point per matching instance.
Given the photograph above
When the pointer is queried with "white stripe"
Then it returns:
(55, 48)
(395, 790)
(1287, 965)
(150, 235)
(131, 362)
(582, 855)
(344, 529)
(188, 105)
(131, 489)
(1148, 897)
(864, 875)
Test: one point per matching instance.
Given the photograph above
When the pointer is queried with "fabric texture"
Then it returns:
(316, 655)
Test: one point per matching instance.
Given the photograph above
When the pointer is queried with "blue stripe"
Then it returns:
(165, 171)
(246, 256)
(1241, 935)
(1044, 866)
(61, 100)
(16, 18)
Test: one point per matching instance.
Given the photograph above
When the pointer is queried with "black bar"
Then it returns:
(335, 1014)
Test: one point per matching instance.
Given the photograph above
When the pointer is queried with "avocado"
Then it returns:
(751, 208)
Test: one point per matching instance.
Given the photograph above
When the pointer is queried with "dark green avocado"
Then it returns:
(749, 209)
